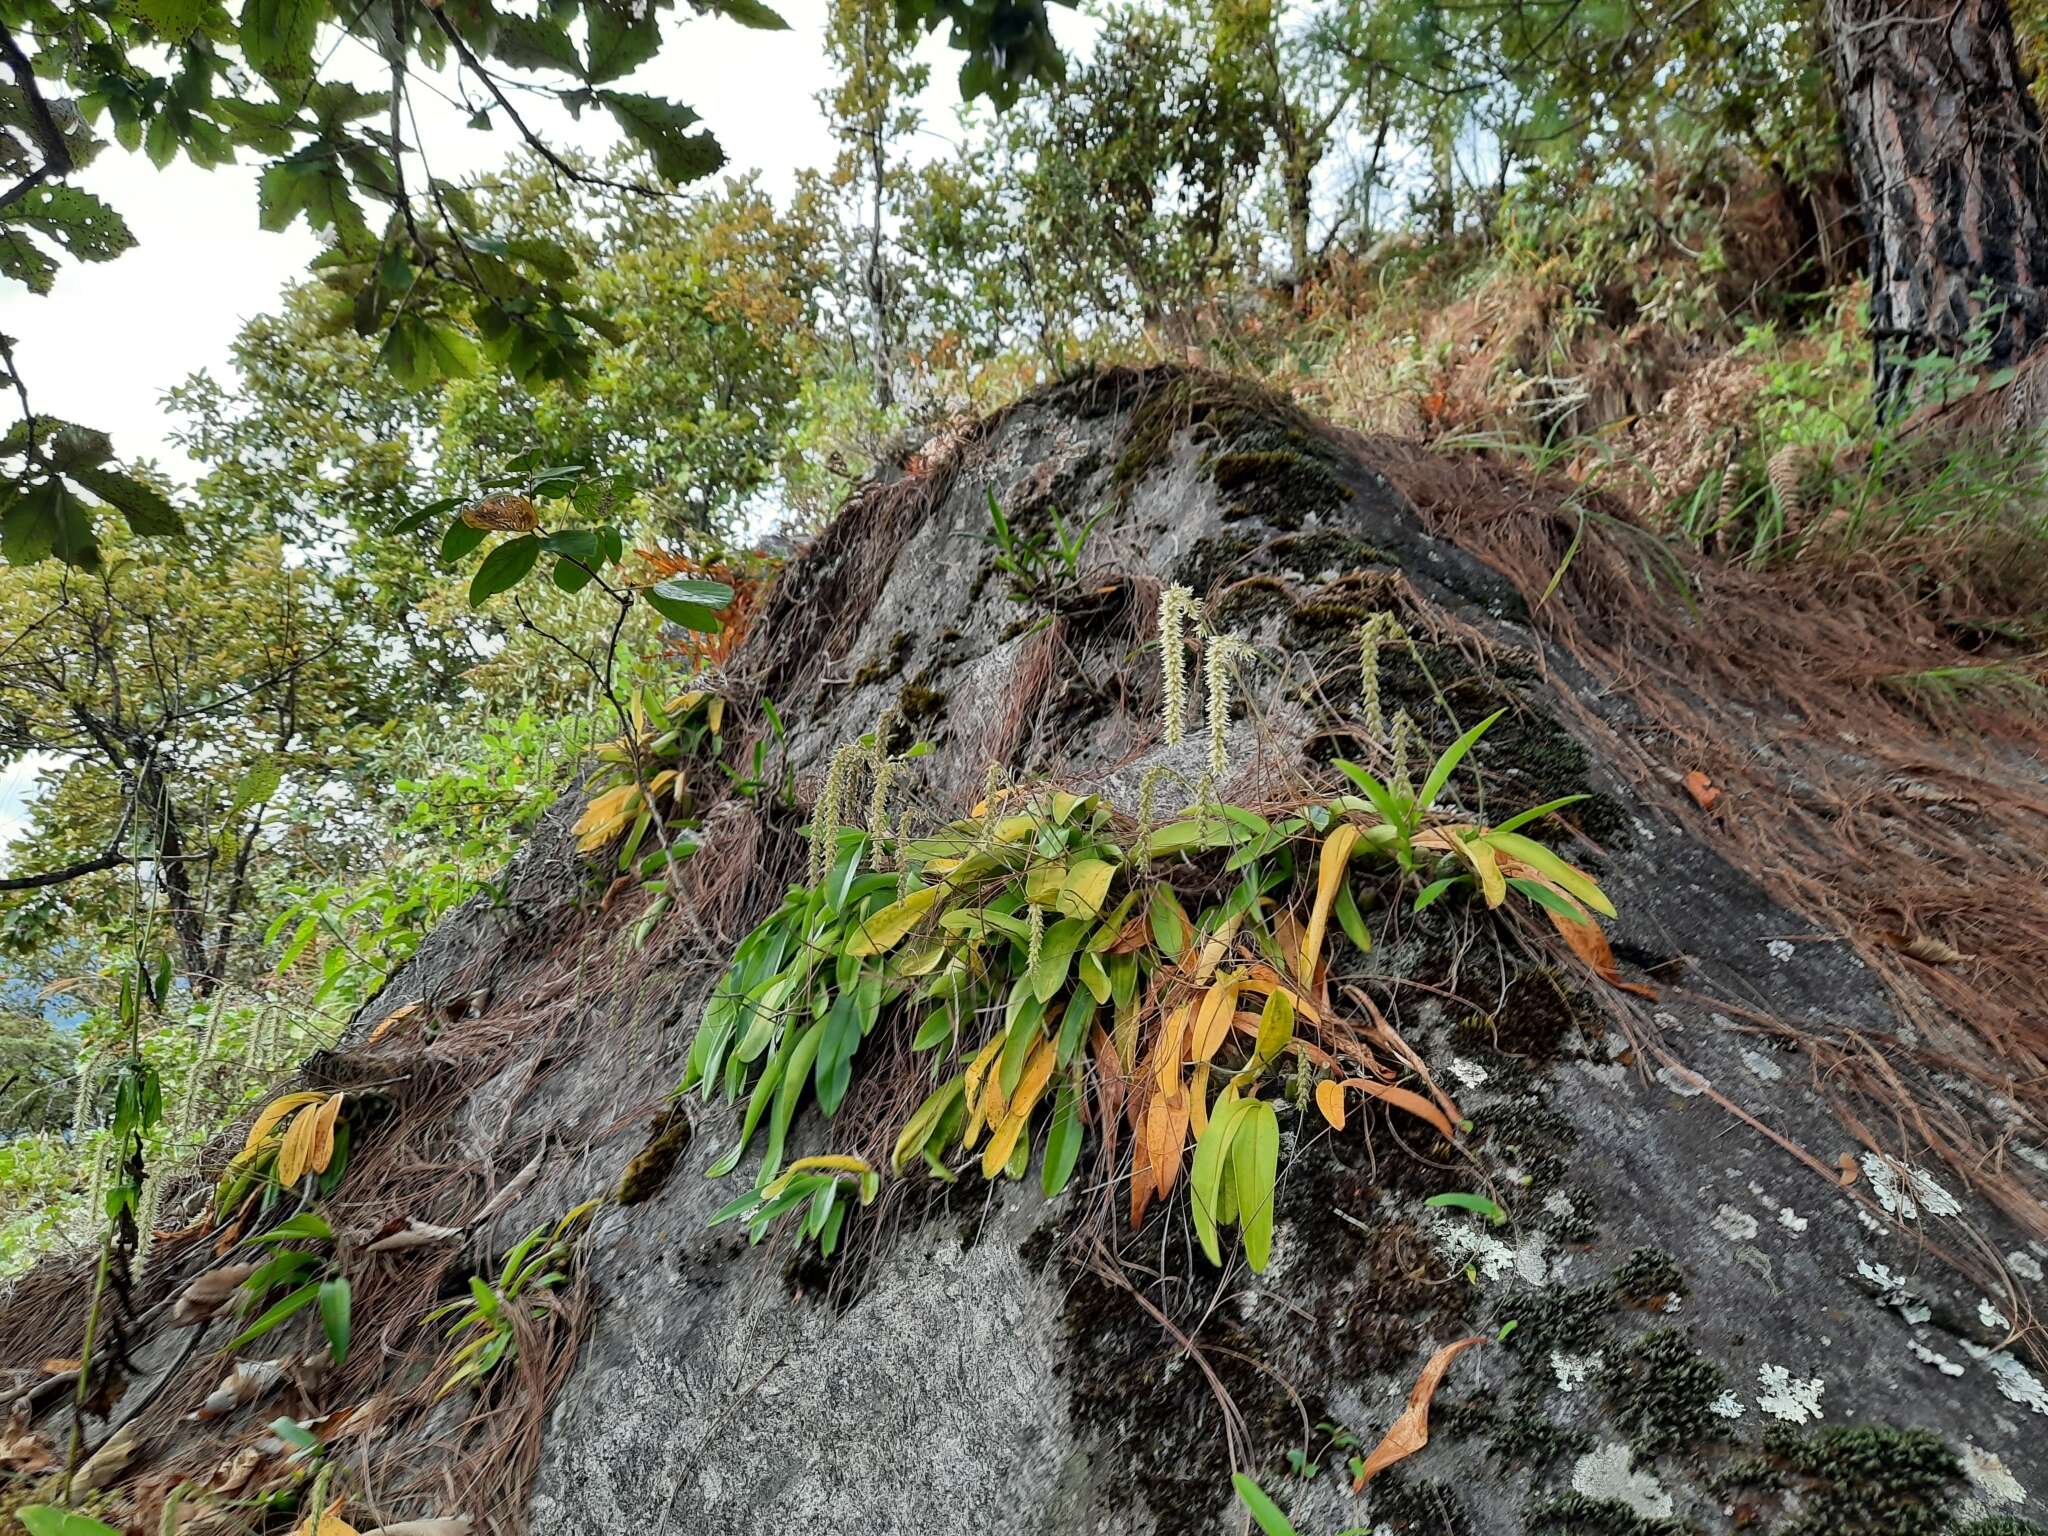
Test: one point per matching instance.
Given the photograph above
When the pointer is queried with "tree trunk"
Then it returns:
(1946, 146)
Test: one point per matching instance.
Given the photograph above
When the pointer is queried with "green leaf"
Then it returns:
(748, 13)
(1262, 1509)
(421, 352)
(1453, 755)
(1427, 896)
(278, 36)
(1212, 1154)
(1254, 1170)
(506, 566)
(307, 1226)
(44, 519)
(44, 1520)
(1523, 818)
(293, 1304)
(258, 784)
(1351, 920)
(657, 125)
(619, 41)
(310, 182)
(541, 44)
(334, 1321)
(887, 928)
(1479, 1205)
(83, 225)
(174, 20)
(148, 511)
(1170, 925)
(1063, 1140)
(1544, 896)
(689, 601)
(1539, 858)
(459, 541)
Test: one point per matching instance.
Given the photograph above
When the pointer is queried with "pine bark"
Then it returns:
(1946, 146)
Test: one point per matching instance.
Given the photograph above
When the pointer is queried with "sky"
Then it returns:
(112, 337)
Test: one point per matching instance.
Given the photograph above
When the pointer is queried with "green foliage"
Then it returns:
(485, 1332)
(446, 292)
(1013, 945)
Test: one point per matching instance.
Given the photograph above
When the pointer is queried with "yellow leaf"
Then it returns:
(322, 1152)
(606, 817)
(275, 1111)
(1212, 1020)
(1002, 1142)
(1486, 865)
(1276, 1027)
(1086, 888)
(1167, 1052)
(295, 1155)
(1333, 866)
(976, 1105)
(1330, 1100)
(395, 1017)
(924, 1120)
(890, 926)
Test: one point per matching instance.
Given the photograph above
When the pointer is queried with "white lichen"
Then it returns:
(1574, 1371)
(1990, 1473)
(1607, 1473)
(1762, 1066)
(1935, 1358)
(1794, 1399)
(1472, 1075)
(2016, 1384)
(1906, 1192)
(2023, 1264)
(1683, 1081)
(1790, 1220)
(1781, 951)
(1736, 1225)
(1727, 1406)
(1991, 1317)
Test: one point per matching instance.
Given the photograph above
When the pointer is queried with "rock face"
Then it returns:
(1691, 1323)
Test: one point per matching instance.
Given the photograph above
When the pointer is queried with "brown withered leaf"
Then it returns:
(22, 1450)
(402, 1232)
(1847, 1164)
(1590, 945)
(1705, 794)
(248, 1381)
(208, 1294)
(1927, 949)
(1410, 1432)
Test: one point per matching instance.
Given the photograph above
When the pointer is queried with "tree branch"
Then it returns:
(56, 153)
(51, 877)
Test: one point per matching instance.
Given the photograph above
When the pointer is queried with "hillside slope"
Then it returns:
(1691, 1321)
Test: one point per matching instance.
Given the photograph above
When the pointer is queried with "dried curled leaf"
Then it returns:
(505, 512)
(1410, 1432)
(398, 1235)
(1702, 789)
(208, 1294)
(1591, 946)
(249, 1380)
(109, 1461)
(1925, 948)
(392, 1020)
(446, 1525)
